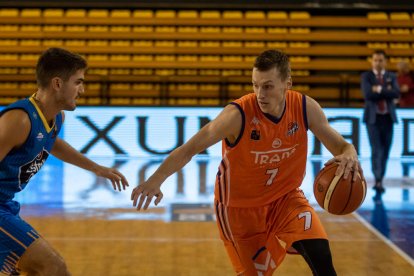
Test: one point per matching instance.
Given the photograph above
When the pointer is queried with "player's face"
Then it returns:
(72, 90)
(270, 90)
(378, 62)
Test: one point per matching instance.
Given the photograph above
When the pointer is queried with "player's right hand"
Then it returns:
(145, 192)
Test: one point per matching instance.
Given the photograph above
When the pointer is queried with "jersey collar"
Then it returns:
(42, 117)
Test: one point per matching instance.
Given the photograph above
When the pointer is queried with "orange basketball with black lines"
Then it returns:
(337, 195)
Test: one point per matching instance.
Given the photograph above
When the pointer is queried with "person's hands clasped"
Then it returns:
(118, 180)
(347, 164)
(146, 192)
(376, 89)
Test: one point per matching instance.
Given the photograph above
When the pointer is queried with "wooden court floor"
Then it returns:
(93, 245)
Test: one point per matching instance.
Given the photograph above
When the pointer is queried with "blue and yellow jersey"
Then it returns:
(22, 163)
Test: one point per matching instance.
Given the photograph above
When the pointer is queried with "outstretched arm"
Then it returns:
(226, 125)
(67, 153)
(344, 153)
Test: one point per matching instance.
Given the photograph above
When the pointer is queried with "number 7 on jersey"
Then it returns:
(272, 173)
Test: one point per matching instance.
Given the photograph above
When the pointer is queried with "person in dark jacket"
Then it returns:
(380, 89)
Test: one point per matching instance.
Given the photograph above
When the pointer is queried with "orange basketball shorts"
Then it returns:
(258, 238)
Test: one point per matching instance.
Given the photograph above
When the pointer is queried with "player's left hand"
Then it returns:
(145, 192)
(347, 164)
(117, 179)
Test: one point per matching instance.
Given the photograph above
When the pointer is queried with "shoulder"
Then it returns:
(292, 94)
(251, 97)
(247, 103)
(15, 117)
(391, 74)
(232, 110)
(15, 123)
(313, 111)
(295, 99)
(232, 115)
(311, 104)
(367, 74)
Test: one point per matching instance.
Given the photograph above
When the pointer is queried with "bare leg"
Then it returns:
(40, 259)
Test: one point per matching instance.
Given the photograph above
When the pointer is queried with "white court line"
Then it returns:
(112, 239)
(399, 251)
(188, 240)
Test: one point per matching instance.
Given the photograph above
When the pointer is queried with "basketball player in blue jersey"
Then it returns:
(28, 135)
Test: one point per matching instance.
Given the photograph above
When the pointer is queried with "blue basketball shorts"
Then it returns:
(16, 236)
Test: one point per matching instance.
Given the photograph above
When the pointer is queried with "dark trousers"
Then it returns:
(380, 137)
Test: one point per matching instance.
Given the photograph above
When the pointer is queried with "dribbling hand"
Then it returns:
(347, 166)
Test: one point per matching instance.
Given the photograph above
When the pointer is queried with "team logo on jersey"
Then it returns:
(39, 136)
(273, 156)
(32, 167)
(292, 128)
(276, 143)
(255, 135)
(255, 121)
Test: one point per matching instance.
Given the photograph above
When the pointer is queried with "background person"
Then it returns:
(406, 83)
(380, 89)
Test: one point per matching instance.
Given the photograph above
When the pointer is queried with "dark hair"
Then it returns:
(270, 59)
(57, 62)
(380, 52)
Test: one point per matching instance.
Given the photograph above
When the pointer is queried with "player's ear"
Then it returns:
(56, 83)
(289, 83)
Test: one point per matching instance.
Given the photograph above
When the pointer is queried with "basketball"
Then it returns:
(337, 195)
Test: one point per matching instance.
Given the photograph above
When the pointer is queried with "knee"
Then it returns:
(56, 267)
(41, 259)
(52, 267)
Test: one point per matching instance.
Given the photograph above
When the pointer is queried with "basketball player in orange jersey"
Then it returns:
(261, 212)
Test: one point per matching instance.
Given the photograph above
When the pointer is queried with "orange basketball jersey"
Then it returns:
(268, 159)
